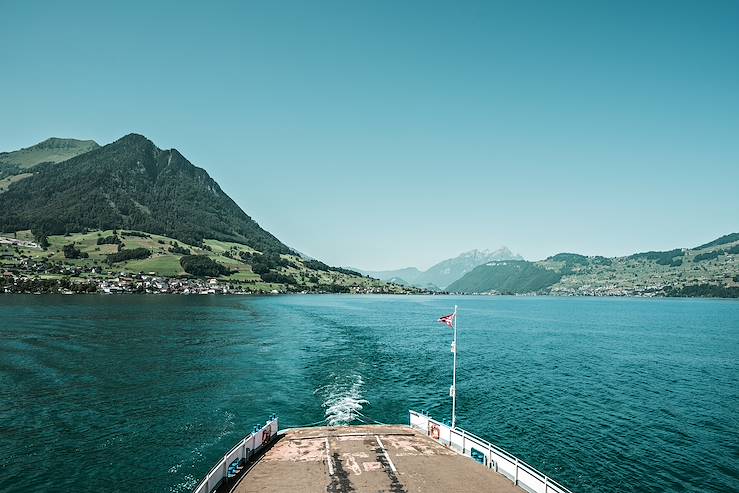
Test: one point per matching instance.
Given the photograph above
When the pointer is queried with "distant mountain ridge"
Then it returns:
(407, 275)
(711, 269)
(53, 150)
(130, 184)
(442, 274)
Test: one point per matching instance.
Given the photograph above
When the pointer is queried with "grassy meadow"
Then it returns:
(165, 263)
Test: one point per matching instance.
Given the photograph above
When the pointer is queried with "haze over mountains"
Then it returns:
(442, 274)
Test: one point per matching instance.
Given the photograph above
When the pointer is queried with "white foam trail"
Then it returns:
(343, 399)
(186, 485)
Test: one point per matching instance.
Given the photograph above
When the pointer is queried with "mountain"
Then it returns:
(447, 271)
(407, 275)
(723, 240)
(130, 217)
(711, 269)
(513, 276)
(53, 150)
(130, 184)
(441, 275)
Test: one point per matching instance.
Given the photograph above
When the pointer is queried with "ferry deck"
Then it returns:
(366, 459)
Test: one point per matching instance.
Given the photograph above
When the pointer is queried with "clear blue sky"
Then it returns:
(386, 134)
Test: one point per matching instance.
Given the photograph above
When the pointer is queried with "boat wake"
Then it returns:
(342, 401)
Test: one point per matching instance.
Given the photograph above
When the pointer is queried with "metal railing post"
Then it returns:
(546, 484)
(515, 478)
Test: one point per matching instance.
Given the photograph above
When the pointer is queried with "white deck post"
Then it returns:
(454, 374)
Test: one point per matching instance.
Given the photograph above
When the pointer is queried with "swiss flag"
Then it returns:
(447, 319)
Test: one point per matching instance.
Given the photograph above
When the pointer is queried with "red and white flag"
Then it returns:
(447, 319)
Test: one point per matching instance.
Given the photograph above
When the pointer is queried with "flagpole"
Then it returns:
(454, 373)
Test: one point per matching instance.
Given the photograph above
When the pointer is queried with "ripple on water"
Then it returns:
(147, 393)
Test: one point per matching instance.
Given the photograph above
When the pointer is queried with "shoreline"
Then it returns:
(326, 293)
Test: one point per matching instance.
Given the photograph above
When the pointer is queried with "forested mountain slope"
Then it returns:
(130, 184)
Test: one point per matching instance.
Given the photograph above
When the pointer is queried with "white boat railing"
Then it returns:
(488, 454)
(243, 450)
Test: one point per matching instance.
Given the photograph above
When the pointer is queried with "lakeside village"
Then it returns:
(74, 280)
(40, 277)
(122, 284)
(34, 275)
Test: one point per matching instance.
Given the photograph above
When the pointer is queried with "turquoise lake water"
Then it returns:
(145, 393)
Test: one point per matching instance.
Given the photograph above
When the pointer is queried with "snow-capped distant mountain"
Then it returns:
(447, 271)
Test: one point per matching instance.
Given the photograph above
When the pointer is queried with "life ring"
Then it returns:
(434, 431)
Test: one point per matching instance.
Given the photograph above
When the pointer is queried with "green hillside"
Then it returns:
(723, 240)
(711, 269)
(512, 276)
(94, 260)
(52, 150)
(130, 184)
(130, 217)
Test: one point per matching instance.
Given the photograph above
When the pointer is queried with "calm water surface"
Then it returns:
(145, 393)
